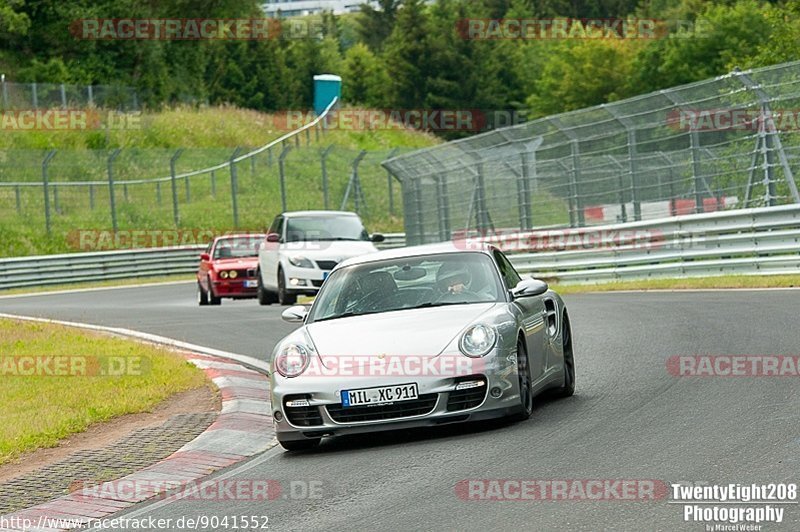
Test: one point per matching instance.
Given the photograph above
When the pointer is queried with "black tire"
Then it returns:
(568, 389)
(284, 297)
(300, 445)
(525, 384)
(265, 297)
(202, 295)
(212, 299)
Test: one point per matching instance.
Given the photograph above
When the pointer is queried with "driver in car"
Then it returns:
(453, 278)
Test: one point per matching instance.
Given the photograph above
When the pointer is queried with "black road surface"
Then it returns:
(629, 420)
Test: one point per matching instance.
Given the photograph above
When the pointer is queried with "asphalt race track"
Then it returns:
(630, 418)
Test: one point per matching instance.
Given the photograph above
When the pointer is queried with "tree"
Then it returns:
(364, 77)
(375, 25)
(408, 57)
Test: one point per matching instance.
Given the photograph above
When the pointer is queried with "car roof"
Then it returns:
(240, 235)
(417, 251)
(294, 214)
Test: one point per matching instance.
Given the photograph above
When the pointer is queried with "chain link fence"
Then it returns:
(725, 143)
(65, 96)
(155, 189)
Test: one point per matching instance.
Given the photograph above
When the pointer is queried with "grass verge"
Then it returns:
(40, 410)
(98, 284)
(725, 281)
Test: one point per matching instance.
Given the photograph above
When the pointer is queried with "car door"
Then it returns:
(268, 255)
(533, 318)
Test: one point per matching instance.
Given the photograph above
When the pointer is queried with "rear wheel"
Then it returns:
(264, 296)
(202, 295)
(284, 297)
(525, 384)
(212, 299)
(300, 445)
(568, 388)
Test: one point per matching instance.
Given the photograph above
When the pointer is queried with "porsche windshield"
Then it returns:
(407, 283)
(311, 228)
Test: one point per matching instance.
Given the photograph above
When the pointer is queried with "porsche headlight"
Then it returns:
(292, 360)
(223, 274)
(478, 340)
(301, 262)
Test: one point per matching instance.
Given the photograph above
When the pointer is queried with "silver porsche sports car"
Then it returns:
(415, 337)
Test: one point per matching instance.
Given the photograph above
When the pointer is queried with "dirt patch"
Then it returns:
(100, 435)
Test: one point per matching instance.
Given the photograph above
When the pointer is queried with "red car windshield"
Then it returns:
(236, 248)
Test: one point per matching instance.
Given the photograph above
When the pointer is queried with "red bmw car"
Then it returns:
(228, 269)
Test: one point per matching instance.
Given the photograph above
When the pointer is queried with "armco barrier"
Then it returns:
(762, 241)
(47, 270)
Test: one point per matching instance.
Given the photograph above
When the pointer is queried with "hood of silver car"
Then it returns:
(417, 332)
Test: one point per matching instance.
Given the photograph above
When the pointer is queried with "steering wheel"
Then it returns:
(466, 294)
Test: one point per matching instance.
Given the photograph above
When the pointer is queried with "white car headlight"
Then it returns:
(292, 360)
(301, 262)
(478, 340)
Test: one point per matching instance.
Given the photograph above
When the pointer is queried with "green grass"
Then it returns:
(725, 281)
(39, 411)
(209, 136)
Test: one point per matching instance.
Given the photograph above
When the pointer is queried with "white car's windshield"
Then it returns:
(311, 228)
(407, 283)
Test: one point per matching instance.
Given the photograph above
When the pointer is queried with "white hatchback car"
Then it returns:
(301, 249)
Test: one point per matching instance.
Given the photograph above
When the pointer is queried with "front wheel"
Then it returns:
(212, 299)
(264, 297)
(202, 295)
(300, 445)
(284, 297)
(525, 384)
(568, 388)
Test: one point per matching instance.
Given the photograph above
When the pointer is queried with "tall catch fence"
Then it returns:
(726, 143)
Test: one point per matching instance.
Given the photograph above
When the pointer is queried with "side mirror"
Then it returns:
(377, 237)
(205, 256)
(295, 314)
(529, 288)
(273, 237)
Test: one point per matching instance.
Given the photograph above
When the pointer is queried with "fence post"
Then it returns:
(111, 200)
(175, 214)
(253, 166)
(297, 141)
(269, 156)
(158, 192)
(308, 137)
(91, 197)
(443, 207)
(55, 200)
(90, 95)
(576, 175)
(46, 186)
(359, 193)
(324, 163)
(633, 163)
(282, 171)
(213, 184)
(696, 172)
(19, 200)
(235, 186)
(769, 172)
(125, 191)
(63, 96)
(187, 189)
(389, 183)
(35, 96)
(5, 92)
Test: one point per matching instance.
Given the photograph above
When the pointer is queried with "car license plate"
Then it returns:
(251, 284)
(380, 395)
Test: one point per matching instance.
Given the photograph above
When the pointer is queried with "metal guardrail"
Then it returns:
(763, 241)
(48, 270)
